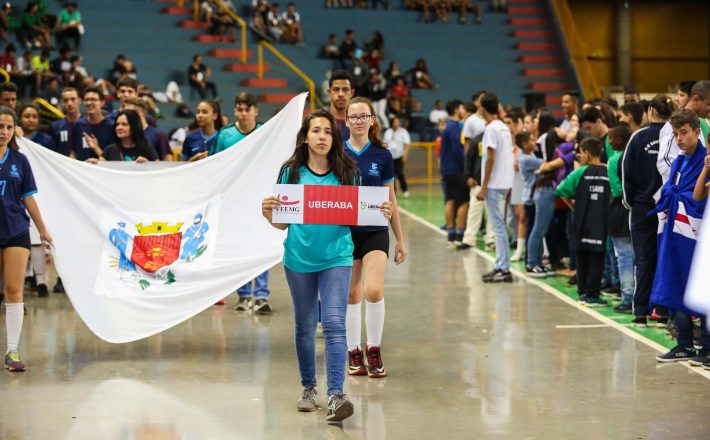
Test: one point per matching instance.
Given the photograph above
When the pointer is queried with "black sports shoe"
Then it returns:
(498, 276)
(702, 357)
(59, 287)
(262, 306)
(612, 290)
(42, 290)
(538, 272)
(339, 408)
(677, 354)
(625, 308)
(572, 280)
(356, 363)
(595, 301)
(375, 368)
(464, 246)
(639, 321)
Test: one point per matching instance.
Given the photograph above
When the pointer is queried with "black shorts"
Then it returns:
(456, 188)
(22, 241)
(366, 242)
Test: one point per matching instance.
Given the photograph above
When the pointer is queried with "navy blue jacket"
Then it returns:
(639, 175)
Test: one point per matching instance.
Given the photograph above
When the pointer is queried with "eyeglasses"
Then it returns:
(357, 118)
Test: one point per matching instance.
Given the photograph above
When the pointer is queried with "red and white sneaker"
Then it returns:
(356, 363)
(375, 368)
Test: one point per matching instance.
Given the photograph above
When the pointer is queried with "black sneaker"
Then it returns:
(498, 276)
(375, 368)
(572, 280)
(639, 321)
(595, 301)
(464, 246)
(458, 240)
(613, 290)
(677, 354)
(339, 408)
(662, 322)
(625, 308)
(538, 272)
(356, 363)
(706, 365)
(702, 357)
(59, 287)
(243, 304)
(582, 298)
(42, 290)
(262, 306)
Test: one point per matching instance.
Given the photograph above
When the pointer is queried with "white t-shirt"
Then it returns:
(668, 150)
(437, 115)
(285, 17)
(396, 140)
(473, 126)
(497, 136)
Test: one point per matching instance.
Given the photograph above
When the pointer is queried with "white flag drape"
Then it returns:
(141, 251)
(697, 291)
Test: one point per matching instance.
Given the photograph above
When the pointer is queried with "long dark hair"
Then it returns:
(373, 134)
(217, 109)
(134, 123)
(9, 112)
(341, 165)
(663, 105)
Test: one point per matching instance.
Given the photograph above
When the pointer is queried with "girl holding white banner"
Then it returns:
(17, 186)
(371, 243)
(319, 258)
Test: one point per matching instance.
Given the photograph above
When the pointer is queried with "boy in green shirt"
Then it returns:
(586, 191)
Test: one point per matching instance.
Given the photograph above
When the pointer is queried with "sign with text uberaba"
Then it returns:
(330, 205)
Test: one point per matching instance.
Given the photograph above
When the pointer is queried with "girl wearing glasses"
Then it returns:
(371, 243)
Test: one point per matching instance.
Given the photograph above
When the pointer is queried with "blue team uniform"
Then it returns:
(62, 132)
(43, 139)
(104, 131)
(376, 169)
(16, 183)
(197, 142)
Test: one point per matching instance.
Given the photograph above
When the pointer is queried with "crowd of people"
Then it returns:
(598, 195)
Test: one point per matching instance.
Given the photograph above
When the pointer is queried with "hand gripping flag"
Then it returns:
(141, 251)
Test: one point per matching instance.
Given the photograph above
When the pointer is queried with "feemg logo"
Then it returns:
(289, 207)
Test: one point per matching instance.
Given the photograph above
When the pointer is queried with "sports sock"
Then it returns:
(14, 315)
(374, 322)
(353, 325)
(39, 263)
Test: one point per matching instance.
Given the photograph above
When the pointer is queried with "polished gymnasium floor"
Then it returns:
(466, 361)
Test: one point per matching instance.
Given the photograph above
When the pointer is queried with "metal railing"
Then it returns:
(260, 72)
(582, 67)
(5, 75)
(48, 109)
(429, 147)
(242, 24)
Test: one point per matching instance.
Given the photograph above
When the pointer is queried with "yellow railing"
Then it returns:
(429, 147)
(47, 108)
(5, 75)
(582, 67)
(260, 72)
(242, 24)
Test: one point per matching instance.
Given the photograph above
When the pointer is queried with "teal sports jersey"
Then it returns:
(313, 248)
(228, 137)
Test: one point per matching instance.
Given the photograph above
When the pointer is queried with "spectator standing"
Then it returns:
(632, 114)
(199, 75)
(683, 93)
(631, 95)
(570, 108)
(588, 186)
(397, 140)
(29, 122)
(452, 173)
(62, 130)
(93, 130)
(69, 26)
(340, 91)
(377, 93)
(8, 95)
(497, 179)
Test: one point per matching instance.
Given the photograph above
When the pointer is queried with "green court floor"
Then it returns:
(427, 202)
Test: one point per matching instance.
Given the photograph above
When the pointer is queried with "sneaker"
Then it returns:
(458, 240)
(613, 290)
(639, 321)
(464, 246)
(498, 276)
(243, 304)
(662, 322)
(262, 306)
(595, 301)
(375, 368)
(625, 308)
(356, 363)
(538, 272)
(339, 408)
(31, 283)
(42, 290)
(572, 280)
(706, 365)
(13, 362)
(702, 357)
(307, 402)
(582, 298)
(677, 354)
(59, 287)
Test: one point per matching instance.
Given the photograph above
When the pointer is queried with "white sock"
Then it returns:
(374, 322)
(521, 246)
(353, 326)
(39, 263)
(14, 314)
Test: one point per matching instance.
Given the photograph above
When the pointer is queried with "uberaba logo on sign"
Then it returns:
(369, 206)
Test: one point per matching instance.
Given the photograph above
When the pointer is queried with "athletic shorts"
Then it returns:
(456, 188)
(366, 242)
(22, 241)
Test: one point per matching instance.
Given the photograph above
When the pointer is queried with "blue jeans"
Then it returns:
(261, 287)
(334, 287)
(495, 202)
(611, 268)
(625, 260)
(544, 199)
